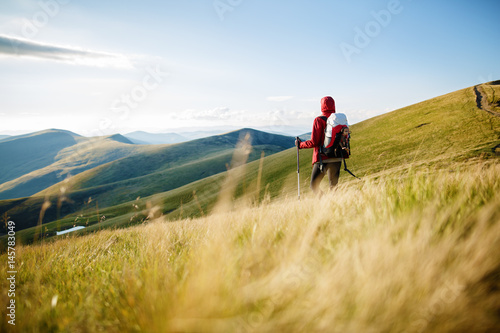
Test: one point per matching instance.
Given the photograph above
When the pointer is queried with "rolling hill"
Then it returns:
(150, 170)
(412, 247)
(27, 153)
(39, 160)
(432, 134)
(436, 132)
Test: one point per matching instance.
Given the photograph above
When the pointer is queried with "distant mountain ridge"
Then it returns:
(184, 135)
(34, 161)
(141, 170)
(33, 134)
(141, 137)
(25, 153)
(120, 138)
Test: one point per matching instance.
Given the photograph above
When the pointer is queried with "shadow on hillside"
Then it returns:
(27, 154)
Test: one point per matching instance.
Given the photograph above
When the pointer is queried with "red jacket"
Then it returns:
(318, 130)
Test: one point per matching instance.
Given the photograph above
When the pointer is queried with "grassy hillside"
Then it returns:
(490, 97)
(412, 247)
(169, 157)
(413, 252)
(40, 162)
(25, 154)
(435, 133)
(443, 129)
(152, 169)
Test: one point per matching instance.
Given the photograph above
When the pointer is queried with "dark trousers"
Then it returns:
(333, 171)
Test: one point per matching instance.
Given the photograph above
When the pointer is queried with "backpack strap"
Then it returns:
(345, 167)
(320, 150)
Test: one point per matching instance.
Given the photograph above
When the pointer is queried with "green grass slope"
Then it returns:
(436, 133)
(413, 253)
(413, 247)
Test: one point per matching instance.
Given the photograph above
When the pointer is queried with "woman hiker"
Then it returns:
(331, 166)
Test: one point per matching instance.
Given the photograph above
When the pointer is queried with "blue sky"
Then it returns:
(102, 67)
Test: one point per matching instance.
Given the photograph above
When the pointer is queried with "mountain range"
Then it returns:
(109, 169)
(32, 162)
(183, 135)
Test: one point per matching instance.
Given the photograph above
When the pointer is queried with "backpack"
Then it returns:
(337, 136)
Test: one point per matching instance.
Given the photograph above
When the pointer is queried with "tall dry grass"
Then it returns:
(415, 251)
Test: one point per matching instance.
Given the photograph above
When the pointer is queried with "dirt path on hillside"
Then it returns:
(483, 104)
(482, 101)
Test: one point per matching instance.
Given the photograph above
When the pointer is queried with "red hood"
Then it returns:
(327, 105)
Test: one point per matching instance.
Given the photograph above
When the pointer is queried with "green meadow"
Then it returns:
(411, 247)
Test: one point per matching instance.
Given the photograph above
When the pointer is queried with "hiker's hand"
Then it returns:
(297, 142)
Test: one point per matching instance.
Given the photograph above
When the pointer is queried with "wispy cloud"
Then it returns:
(219, 113)
(19, 47)
(279, 98)
(271, 119)
(30, 114)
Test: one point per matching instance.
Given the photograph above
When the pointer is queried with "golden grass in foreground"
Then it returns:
(413, 253)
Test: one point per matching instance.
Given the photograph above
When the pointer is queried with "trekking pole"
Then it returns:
(298, 168)
(345, 166)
